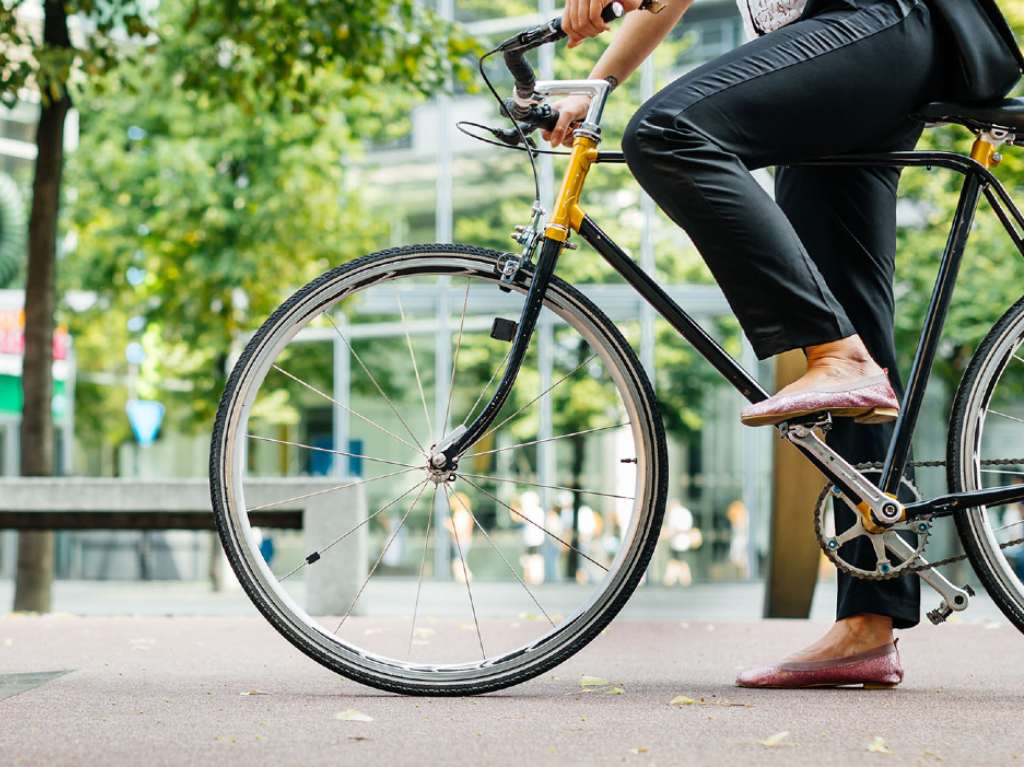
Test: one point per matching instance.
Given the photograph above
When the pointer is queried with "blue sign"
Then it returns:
(145, 417)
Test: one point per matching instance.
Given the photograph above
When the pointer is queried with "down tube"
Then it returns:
(684, 324)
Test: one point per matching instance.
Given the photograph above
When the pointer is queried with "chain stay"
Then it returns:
(876, 465)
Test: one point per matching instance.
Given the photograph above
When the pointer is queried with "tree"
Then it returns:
(992, 272)
(252, 54)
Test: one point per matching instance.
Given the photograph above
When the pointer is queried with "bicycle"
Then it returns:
(386, 298)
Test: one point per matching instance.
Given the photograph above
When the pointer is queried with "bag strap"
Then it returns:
(1002, 27)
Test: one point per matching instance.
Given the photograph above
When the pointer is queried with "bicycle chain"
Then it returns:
(913, 568)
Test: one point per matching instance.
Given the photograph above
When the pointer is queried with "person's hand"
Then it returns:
(570, 110)
(582, 18)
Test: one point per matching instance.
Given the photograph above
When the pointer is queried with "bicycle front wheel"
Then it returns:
(471, 581)
(986, 447)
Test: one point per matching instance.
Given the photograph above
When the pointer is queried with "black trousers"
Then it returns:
(816, 264)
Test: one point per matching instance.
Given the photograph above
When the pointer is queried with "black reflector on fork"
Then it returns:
(503, 329)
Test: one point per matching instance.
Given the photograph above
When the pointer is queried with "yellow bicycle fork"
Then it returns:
(567, 214)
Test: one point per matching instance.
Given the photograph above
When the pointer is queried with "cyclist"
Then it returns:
(812, 269)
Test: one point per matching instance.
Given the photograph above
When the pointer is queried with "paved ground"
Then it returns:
(161, 691)
(712, 601)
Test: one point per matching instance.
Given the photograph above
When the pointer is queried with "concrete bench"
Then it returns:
(312, 505)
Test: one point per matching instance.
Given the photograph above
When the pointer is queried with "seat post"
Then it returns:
(985, 149)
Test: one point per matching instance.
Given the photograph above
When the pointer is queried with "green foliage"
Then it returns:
(992, 275)
(12, 230)
(211, 179)
(110, 31)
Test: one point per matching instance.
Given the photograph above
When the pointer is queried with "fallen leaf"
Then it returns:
(253, 692)
(352, 715)
(357, 737)
(684, 700)
(877, 746)
(593, 681)
(933, 755)
(638, 750)
(773, 741)
(615, 691)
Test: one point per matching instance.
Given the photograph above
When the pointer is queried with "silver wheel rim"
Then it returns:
(568, 633)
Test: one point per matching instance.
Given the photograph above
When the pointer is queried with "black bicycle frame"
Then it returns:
(978, 181)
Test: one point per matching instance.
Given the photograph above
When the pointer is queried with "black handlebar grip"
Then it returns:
(548, 118)
(611, 12)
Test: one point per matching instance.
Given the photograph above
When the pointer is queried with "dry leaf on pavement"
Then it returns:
(352, 715)
(776, 740)
(682, 700)
(877, 746)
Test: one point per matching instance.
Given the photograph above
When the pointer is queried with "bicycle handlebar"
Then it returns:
(515, 49)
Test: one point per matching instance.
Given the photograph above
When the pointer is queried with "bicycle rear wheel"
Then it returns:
(986, 437)
(438, 612)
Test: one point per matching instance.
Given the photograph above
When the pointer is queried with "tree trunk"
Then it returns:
(35, 549)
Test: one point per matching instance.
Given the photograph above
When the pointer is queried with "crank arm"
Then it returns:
(858, 491)
(953, 598)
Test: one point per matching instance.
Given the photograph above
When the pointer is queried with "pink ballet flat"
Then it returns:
(870, 401)
(874, 669)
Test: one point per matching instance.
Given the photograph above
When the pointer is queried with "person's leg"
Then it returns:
(817, 87)
(847, 219)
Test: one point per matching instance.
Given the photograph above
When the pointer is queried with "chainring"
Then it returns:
(884, 569)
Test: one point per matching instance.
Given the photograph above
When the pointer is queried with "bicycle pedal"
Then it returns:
(940, 613)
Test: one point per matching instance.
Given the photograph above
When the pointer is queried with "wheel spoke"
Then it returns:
(1008, 526)
(487, 386)
(314, 556)
(384, 550)
(282, 502)
(465, 572)
(415, 367)
(1007, 415)
(548, 439)
(423, 564)
(1003, 471)
(546, 391)
(347, 409)
(373, 380)
(443, 426)
(330, 450)
(579, 490)
(507, 563)
(496, 499)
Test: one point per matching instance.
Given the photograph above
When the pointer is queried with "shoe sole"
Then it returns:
(823, 686)
(864, 415)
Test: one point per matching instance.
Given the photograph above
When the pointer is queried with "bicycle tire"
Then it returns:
(970, 406)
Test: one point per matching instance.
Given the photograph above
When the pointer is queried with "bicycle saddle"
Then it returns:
(1008, 113)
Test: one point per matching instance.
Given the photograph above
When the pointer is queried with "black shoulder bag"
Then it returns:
(989, 60)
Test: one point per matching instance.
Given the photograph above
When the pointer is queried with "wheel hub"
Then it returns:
(439, 469)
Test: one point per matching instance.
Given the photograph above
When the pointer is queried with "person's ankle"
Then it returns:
(868, 630)
(847, 356)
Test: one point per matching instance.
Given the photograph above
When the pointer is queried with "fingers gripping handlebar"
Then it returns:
(515, 49)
